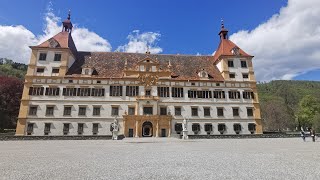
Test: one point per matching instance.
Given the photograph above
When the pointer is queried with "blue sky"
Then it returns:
(186, 27)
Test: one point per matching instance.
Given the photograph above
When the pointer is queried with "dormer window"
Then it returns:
(87, 71)
(203, 74)
(235, 51)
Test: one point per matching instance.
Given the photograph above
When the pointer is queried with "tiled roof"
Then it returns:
(225, 47)
(65, 41)
(112, 64)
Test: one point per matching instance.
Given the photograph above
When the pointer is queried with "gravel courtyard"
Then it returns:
(151, 158)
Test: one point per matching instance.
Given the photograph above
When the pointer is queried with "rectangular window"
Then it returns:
(82, 111)
(244, 64)
(206, 111)
(36, 91)
(33, 110)
(148, 93)
(83, 92)
(96, 111)
(248, 95)
(115, 111)
(249, 112)
(177, 111)
(163, 110)
(115, 90)
(49, 110)
(80, 128)
(69, 91)
(30, 128)
(235, 111)
(208, 127)
(95, 128)
(245, 76)
(219, 94)
(219, 111)
(55, 70)
(47, 127)
(97, 92)
(232, 75)
(67, 110)
(132, 91)
(52, 91)
(147, 110)
(40, 70)
(131, 111)
(199, 94)
(57, 57)
(194, 111)
(42, 56)
(196, 128)
(66, 127)
(230, 63)
(163, 91)
(234, 95)
(177, 92)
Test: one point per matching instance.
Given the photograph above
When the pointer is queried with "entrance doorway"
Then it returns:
(130, 132)
(163, 133)
(147, 129)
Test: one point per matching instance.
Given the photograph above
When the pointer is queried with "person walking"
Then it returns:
(313, 135)
(303, 135)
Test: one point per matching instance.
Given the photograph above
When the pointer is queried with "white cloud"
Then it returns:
(14, 40)
(139, 43)
(288, 44)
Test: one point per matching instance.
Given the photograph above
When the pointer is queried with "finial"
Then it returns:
(69, 14)
(148, 51)
(222, 24)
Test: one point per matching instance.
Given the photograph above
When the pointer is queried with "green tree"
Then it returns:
(308, 108)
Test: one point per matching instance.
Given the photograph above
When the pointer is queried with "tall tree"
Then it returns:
(10, 95)
(308, 107)
(276, 115)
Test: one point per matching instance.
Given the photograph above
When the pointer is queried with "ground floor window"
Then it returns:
(30, 129)
(208, 128)
(252, 127)
(196, 128)
(66, 127)
(221, 128)
(178, 128)
(80, 128)
(95, 128)
(237, 128)
(47, 127)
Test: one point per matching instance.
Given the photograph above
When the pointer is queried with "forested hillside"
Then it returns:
(10, 68)
(289, 104)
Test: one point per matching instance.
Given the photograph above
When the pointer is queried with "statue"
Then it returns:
(184, 129)
(115, 128)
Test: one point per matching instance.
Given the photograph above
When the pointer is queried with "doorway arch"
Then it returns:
(147, 130)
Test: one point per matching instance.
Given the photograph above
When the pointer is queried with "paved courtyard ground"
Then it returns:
(151, 158)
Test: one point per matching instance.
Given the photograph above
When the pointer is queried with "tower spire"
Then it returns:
(69, 15)
(223, 32)
(66, 24)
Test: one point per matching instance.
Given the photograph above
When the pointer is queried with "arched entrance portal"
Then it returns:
(147, 129)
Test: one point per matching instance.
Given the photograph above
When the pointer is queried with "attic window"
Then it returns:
(235, 51)
(87, 71)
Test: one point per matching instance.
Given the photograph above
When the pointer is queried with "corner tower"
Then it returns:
(235, 66)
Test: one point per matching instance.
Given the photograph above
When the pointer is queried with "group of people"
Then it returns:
(312, 134)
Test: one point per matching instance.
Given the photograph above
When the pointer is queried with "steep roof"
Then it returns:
(112, 64)
(225, 49)
(64, 40)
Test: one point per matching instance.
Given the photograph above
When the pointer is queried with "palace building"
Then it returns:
(71, 92)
